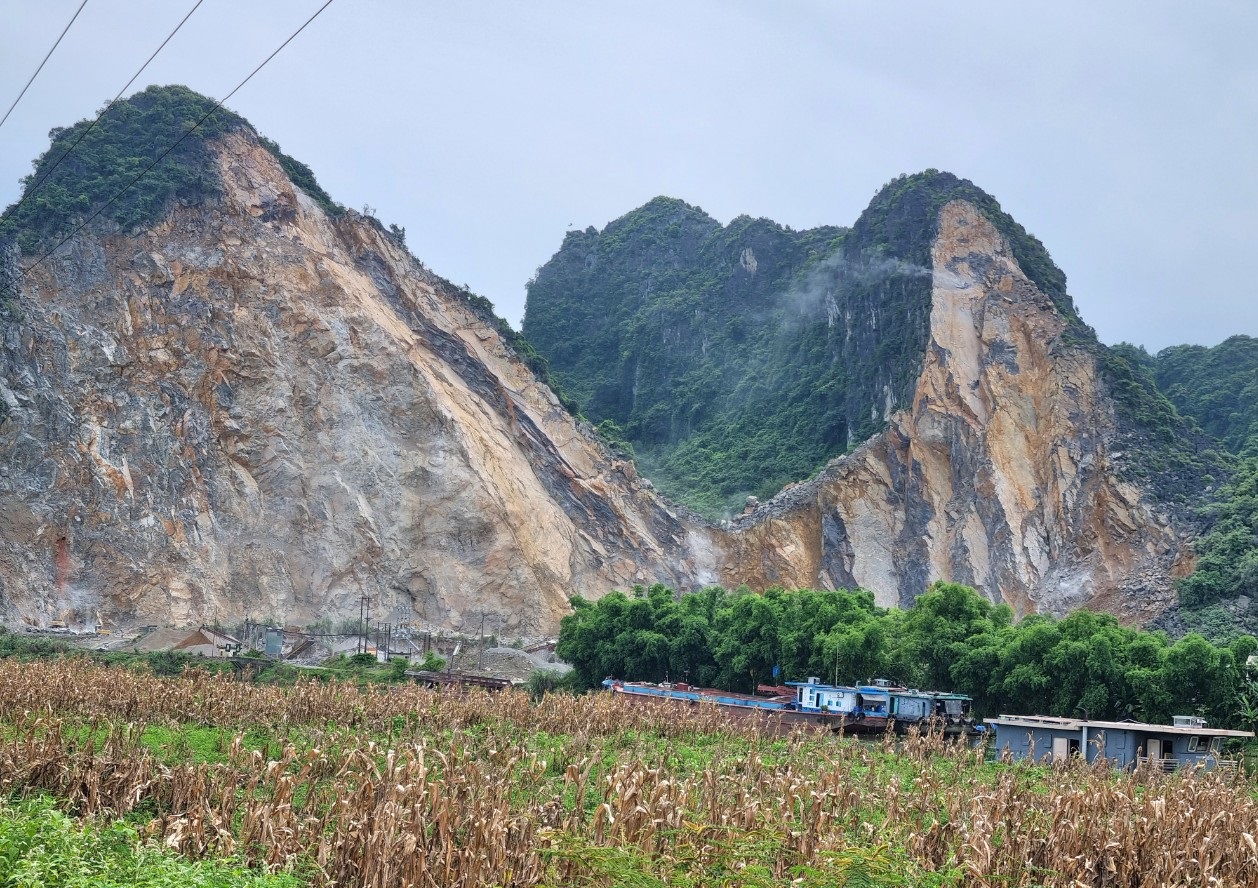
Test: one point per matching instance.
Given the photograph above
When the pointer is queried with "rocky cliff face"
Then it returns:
(252, 409)
(1001, 474)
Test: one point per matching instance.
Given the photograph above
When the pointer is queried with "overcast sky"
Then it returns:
(1123, 134)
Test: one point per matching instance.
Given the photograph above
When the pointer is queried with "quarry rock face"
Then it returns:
(253, 410)
(1000, 475)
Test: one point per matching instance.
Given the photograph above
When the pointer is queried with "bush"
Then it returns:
(432, 662)
(548, 681)
(167, 663)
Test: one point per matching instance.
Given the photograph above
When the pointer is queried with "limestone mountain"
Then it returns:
(736, 359)
(229, 397)
(989, 437)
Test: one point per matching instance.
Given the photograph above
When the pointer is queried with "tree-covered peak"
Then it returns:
(714, 349)
(660, 220)
(87, 165)
(662, 206)
(903, 219)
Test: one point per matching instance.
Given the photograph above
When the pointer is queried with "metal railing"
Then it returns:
(1157, 764)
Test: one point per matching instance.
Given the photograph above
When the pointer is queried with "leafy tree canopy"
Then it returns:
(952, 638)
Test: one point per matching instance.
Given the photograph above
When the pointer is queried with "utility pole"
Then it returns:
(480, 648)
(364, 622)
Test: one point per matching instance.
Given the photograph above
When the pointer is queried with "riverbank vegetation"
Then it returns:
(950, 639)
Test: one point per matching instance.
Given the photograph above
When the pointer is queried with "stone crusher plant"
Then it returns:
(407, 787)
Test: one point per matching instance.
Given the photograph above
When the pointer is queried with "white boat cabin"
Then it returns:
(813, 696)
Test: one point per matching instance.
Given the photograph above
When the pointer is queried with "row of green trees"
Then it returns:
(950, 639)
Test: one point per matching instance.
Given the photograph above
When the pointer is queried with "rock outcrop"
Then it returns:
(1000, 475)
(253, 409)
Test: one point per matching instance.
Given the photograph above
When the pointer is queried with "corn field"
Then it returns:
(407, 787)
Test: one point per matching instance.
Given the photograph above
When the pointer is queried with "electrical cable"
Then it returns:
(41, 64)
(83, 135)
(162, 156)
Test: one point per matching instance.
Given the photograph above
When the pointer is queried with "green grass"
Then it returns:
(40, 847)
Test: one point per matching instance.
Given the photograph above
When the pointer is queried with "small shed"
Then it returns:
(1187, 742)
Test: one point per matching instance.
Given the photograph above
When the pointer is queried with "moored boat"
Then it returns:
(860, 709)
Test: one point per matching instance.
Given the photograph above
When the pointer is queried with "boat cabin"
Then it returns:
(1126, 744)
(879, 699)
(874, 700)
(813, 696)
(913, 705)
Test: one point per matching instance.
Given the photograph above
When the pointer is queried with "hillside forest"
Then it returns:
(950, 639)
(734, 359)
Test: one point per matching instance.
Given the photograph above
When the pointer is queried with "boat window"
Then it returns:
(1194, 743)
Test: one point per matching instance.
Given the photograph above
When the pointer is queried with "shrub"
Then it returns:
(432, 662)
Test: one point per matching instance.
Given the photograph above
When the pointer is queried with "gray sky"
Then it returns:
(1123, 134)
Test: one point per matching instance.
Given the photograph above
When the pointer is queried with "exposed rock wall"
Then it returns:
(998, 476)
(253, 410)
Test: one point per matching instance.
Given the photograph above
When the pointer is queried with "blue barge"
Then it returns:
(871, 708)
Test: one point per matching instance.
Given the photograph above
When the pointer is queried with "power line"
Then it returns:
(83, 135)
(162, 156)
(41, 64)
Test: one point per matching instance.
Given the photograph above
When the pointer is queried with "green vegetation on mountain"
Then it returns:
(1227, 551)
(951, 638)
(1217, 387)
(736, 359)
(1161, 449)
(127, 139)
(660, 326)
(1192, 392)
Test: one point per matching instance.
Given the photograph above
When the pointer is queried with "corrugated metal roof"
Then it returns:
(1073, 724)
